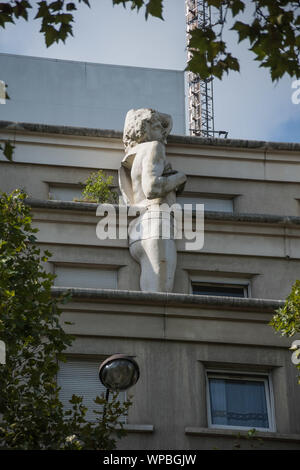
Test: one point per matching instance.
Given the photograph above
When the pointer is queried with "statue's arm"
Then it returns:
(153, 183)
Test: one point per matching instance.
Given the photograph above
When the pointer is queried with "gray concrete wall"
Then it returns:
(249, 196)
(258, 177)
(62, 92)
(264, 255)
(175, 338)
(175, 343)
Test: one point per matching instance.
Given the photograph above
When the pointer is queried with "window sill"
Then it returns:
(139, 428)
(216, 432)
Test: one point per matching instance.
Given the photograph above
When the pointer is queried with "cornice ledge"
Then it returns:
(173, 139)
(209, 215)
(168, 299)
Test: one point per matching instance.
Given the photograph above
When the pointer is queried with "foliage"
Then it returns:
(251, 436)
(273, 32)
(96, 435)
(287, 318)
(56, 16)
(7, 149)
(97, 188)
(152, 7)
(31, 414)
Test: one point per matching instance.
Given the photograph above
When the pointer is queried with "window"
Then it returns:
(210, 203)
(80, 276)
(239, 401)
(64, 193)
(219, 289)
(68, 192)
(80, 377)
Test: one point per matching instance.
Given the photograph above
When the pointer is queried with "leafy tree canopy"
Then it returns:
(31, 414)
(271, 29)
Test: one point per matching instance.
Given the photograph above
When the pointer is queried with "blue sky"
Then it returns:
(247, 104)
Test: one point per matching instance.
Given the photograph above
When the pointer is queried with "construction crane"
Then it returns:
(200, 92)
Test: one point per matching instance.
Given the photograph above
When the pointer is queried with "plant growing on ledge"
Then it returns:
(287, 321)
(97, 188)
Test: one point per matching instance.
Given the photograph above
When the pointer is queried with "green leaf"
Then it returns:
(43, 10)
(215, 3)
(51, 35)
(57, 5)
(71, 6)
(236, 7)
(154, 8)
(242, 30)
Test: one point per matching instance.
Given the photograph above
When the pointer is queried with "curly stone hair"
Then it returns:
(136, 127)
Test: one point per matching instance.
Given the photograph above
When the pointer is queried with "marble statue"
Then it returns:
(148, 182)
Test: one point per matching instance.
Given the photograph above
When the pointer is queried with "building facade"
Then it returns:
(211, 366)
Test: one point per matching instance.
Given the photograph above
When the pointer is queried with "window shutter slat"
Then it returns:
(80, 377)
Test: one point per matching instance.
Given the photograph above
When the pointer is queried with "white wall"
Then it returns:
(69, 93)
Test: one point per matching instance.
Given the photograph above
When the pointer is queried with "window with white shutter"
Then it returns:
(80, 276)
(80, 377)
(210, 203)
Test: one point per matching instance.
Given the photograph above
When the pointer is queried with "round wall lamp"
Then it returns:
(119, 372)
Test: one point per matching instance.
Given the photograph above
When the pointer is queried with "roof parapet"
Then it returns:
(14, 127)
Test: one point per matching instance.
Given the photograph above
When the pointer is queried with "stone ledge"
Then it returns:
(62, 205)
(234, 433)
(172, 299)
(209, 215)
(14, 127)
(61, 130)
(139, 428)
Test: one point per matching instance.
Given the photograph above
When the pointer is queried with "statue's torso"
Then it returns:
(141, 159)
(156, 220)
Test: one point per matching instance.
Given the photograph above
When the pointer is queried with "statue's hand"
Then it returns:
(180, 188)
(181, 180)
(181, 177)
(168, 170)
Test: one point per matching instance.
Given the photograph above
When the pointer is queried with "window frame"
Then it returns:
(200, 198)
(56, 266)
(242, 375)
(222, 282)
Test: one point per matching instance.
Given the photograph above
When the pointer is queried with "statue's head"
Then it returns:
(145, 125)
